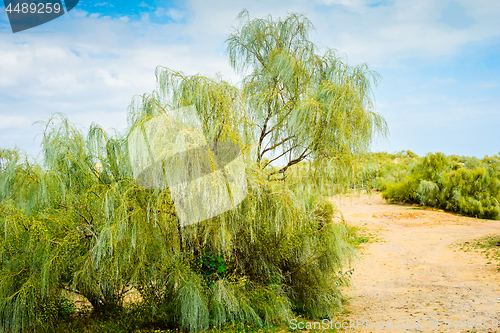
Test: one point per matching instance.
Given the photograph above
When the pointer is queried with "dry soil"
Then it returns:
(413, 275)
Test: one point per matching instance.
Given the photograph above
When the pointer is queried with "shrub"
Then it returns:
(465, 185)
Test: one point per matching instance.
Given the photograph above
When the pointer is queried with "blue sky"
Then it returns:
(439, 61)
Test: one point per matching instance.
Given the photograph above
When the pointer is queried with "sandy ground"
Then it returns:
(413, 274)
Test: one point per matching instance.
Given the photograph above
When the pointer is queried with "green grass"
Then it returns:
(122, 325)
(489, 247)
(362, 240)
(129, 319)
(358, 236)
(115, 326)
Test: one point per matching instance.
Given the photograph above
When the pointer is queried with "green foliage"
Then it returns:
(79, 223)
(466, 185)
(304, 103)
(460, 184)
(96, 234)
(129, 320)
(6, 155)
(212, 265)
(373, 171)
(489, 247)
(400, 192)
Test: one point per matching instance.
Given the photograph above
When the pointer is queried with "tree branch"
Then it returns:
(274, 159)
(276, 145)
(294, 161)
(263, 134)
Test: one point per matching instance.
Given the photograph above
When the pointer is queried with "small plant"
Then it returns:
(212, 266)
(490, 246)
(66, 308)
(345, 278)
(362, 240)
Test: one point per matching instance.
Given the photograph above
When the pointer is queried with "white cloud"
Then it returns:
(487, 85)
(8, 121)
(172, 13)
(75, 12)
(447, 80)
(358, 6)
(145, 5)
(43, 75)
(160, 11)
(380, 35)
(103, 4)
(175, 14)
(145, 18)
(386, 34)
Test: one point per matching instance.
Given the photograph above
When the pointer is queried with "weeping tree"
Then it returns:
(305, 104)
(295, 104)
(6, 155)
(81, 224)
(52, 218)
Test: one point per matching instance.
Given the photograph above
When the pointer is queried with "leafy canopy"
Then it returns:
(79, 223)
(294, 103)
(304, 103)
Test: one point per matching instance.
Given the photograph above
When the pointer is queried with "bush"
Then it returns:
(460, 184)
(67, 226)
(79, 222)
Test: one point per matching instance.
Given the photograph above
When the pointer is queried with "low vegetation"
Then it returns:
(465, 185)
(76, 224)
(489, 246)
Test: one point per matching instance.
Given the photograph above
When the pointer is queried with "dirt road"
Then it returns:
(412, 276)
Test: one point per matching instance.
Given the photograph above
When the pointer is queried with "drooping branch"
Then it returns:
(263, 134)
(276, 145)
(302, 156)
(282, 154)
